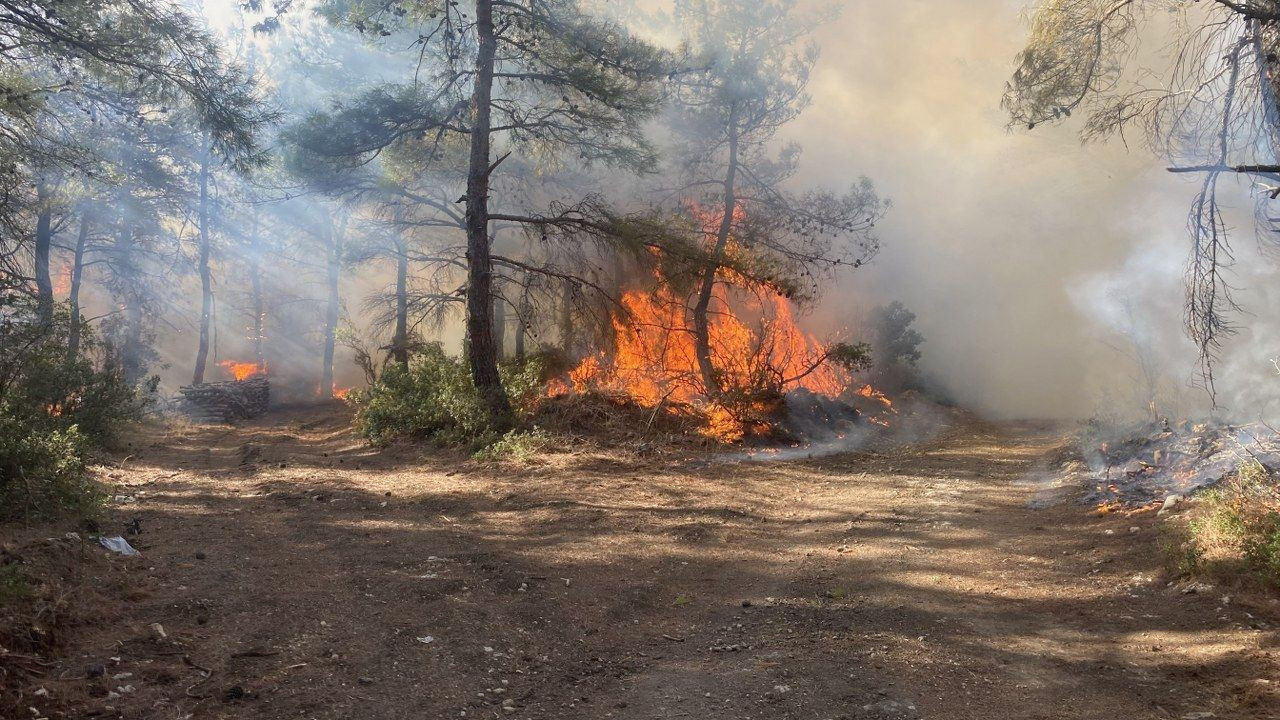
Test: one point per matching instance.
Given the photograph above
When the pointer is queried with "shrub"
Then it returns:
(1237, 527)
(44, 472)
(434, 399)
(54, 409)
(518, 445)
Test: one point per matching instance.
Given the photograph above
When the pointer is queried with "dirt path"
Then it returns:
(315, 578)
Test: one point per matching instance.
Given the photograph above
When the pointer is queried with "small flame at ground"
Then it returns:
(341, 392)
(242, 370)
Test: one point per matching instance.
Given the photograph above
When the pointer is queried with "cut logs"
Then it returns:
(226, 401)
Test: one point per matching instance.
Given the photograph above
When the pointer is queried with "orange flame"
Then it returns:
(654, 358)
(243, 370)
(755, 345)
(62, 286)
(340, 392)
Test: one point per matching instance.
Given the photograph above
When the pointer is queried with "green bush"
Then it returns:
(44, 472)
(518, 445)
(434, 399)
(54, 410)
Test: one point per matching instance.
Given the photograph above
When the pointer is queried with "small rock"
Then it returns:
(200, 555)
(746, 603)
(157, 631)
(1169, 503)
(364, 680)
(1134, 529)
(426, 639)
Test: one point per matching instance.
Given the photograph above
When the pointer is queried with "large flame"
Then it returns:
(654, 359)
(756, 347)
(243, 370)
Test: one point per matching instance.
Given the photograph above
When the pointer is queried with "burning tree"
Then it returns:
(536, 78)
(759, 237)
(719, 326)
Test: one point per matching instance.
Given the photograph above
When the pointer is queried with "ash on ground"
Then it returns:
(1151, 463)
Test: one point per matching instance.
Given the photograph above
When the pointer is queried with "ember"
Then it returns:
(1147, 466)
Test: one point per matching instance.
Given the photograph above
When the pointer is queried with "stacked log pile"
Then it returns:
(226, 402)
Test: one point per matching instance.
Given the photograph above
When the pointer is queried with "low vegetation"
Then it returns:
(433, 398)
(1235, 529)
(55, 411)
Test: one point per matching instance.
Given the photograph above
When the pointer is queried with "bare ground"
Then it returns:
(298, 574)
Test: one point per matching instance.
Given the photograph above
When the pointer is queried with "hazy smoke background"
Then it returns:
(1044, 274)
(1017, 250)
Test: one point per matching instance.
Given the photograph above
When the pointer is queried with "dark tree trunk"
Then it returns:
(522, 327)
(331, 310)
(43, 245)
(701, 323)
(132, 364)
(77, 273)
(566, 318)
(206, 276)
(482, 353)
(499, 327)
(400, 343)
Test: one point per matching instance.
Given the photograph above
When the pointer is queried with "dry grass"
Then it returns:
(1234, 531)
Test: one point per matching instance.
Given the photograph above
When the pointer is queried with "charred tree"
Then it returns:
(701, 322)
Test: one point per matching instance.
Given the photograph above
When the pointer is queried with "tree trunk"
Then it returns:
(43, 244)
(132, 365)
(482, 355)
(255, 282)
(701, 324)
(206, 277)
(566, 318)
(499, 327)
(331, 311)
(400, 343)
(73, 298)
(522, 328)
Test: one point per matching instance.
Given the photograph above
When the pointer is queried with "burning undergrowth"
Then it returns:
(1152, 462)
(763, 377)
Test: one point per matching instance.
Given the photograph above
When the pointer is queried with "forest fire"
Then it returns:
(760, 352)
(340, 393)
(243, 370)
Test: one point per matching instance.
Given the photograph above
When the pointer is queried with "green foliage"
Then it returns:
(518, 445)
(435, 399)
(895, 347)
(54, 411)
(1236, 529)
(850, 356)
(44, 472)
(15, 586)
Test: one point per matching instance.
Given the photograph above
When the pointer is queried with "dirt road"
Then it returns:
(299, 574)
